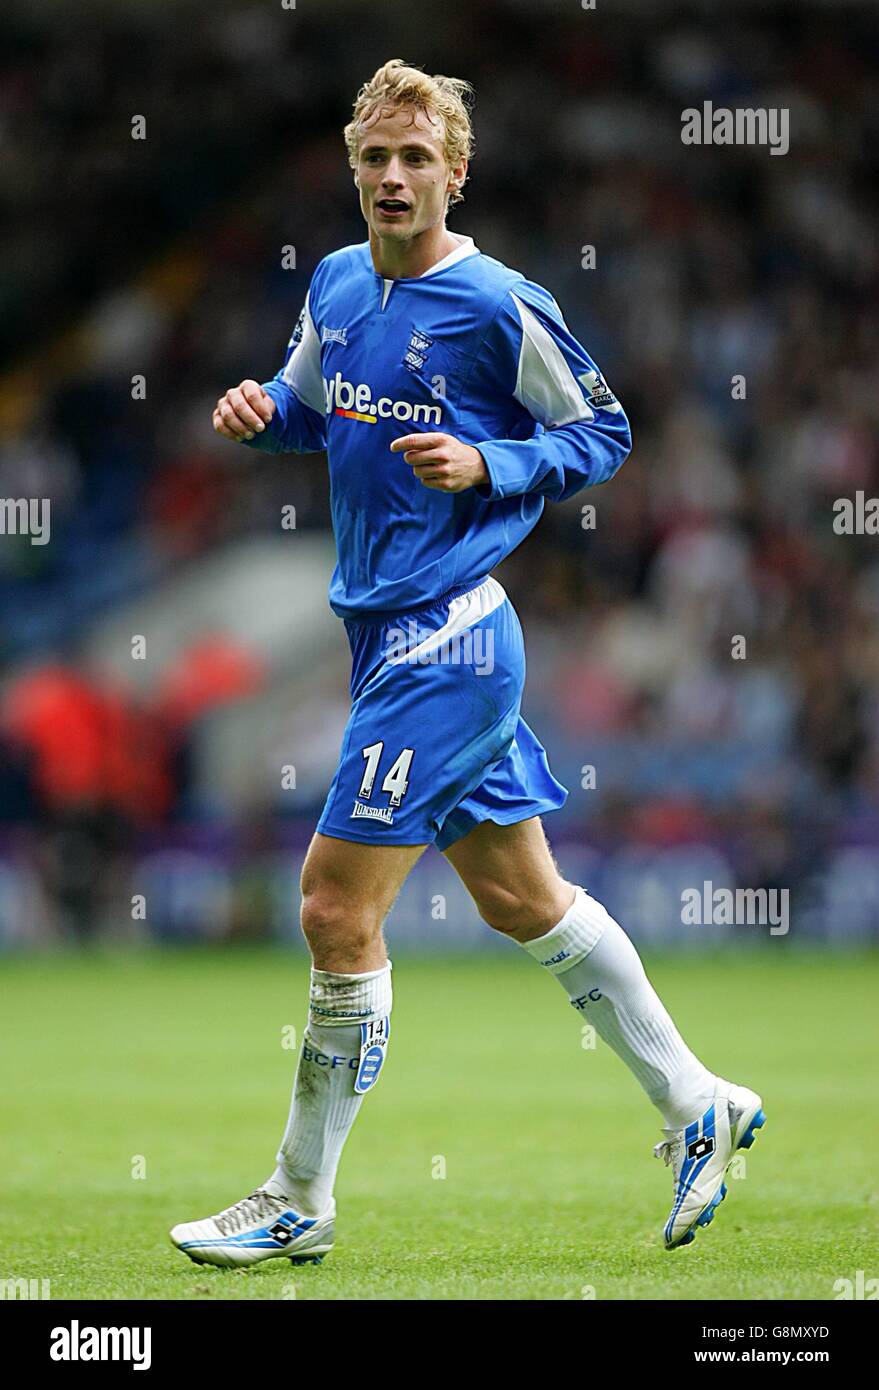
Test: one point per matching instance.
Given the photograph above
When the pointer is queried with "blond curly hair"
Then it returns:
(397, 84)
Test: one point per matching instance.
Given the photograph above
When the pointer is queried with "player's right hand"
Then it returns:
(244, 411)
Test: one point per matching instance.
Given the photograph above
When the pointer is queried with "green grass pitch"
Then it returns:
(550, 1187)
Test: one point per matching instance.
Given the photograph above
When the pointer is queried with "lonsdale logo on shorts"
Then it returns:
(363, 812)
(356, 403)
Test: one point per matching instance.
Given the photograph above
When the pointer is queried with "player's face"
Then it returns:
(402, 174)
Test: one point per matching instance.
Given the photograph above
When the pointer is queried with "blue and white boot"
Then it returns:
(261, 1227)
(700, 1154)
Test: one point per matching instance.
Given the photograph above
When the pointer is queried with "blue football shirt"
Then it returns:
(470, 348)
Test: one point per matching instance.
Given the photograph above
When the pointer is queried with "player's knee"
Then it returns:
(329, 919)
(523, 910)
(503, 909)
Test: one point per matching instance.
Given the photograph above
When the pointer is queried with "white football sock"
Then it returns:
(324, 1104)
(601, 972)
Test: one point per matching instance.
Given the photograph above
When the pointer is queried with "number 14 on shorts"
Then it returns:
(396, 780)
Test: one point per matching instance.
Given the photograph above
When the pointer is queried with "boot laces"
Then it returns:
(258, 1206)
(669, 1150)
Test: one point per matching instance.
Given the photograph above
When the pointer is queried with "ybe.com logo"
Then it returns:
(356, 403)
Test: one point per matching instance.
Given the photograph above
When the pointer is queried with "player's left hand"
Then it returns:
(441, 461)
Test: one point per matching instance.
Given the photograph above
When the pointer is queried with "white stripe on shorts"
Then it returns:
(464, 611)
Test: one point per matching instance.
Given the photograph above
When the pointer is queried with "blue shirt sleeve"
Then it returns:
(299, 422)
(581, 436)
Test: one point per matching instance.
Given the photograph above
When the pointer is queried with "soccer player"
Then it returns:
(453, 402)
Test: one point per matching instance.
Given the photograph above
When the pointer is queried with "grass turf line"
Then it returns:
(550, 1189)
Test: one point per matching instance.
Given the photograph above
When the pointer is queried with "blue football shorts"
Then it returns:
(435, 743)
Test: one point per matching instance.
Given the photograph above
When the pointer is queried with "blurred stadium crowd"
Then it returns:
(162, 258)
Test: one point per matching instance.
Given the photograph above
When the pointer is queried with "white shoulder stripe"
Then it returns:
(302, 373)
(545, 384)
